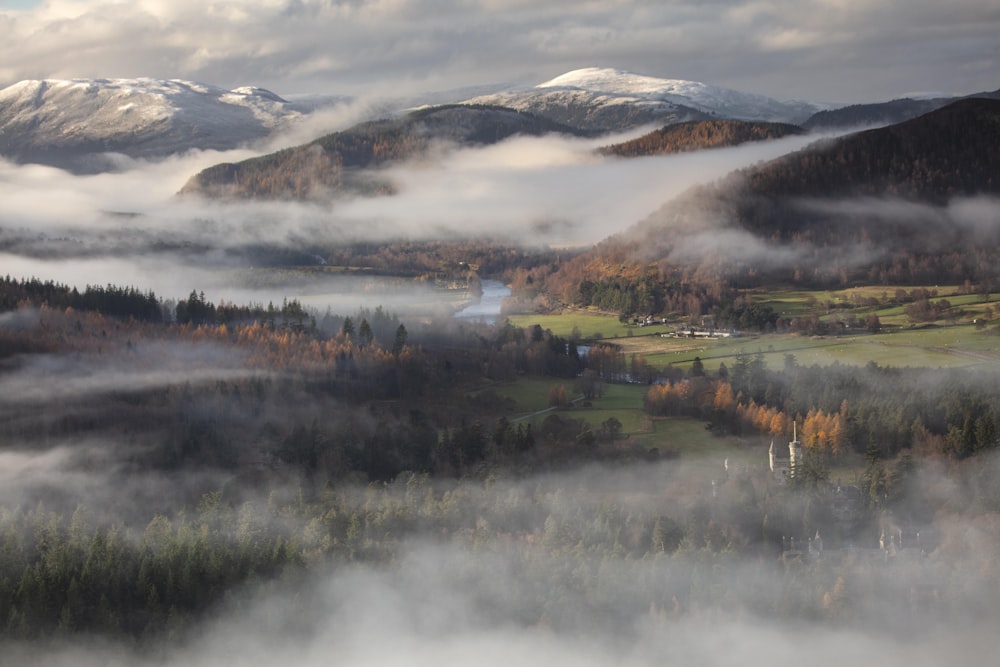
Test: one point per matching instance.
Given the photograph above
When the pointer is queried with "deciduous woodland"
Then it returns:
(306, 444)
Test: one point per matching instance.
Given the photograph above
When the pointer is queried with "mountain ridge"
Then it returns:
(69, 123)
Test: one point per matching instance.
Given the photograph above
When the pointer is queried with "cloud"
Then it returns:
(443, 605)
(100, 474)
(820, 49)
(128, 227)
(702, 228)
(542, 190)
(42, 379)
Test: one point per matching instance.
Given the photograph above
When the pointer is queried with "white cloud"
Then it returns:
(547, 190)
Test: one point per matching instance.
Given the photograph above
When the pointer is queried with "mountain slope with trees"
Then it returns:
(883, 113)
(334, 163)
(908, 204)
(699, 135)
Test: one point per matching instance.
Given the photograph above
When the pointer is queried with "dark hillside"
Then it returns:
(331, 163)
(699, 135)
(882, 113)
(951, 151)
(875, 206)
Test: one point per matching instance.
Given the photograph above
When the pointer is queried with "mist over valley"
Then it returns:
(595, 367)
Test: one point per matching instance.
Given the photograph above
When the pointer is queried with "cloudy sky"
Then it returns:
(819, 50)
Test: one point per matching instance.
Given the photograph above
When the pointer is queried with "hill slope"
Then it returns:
(70, 123)
(953, 150)
(698, 135)
(909, 203)
(883, 113)
(334, 163)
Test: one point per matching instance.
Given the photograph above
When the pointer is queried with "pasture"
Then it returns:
(952, 341)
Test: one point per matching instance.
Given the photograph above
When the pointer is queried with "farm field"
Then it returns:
(588, 325)
(953, 341)
(701, 455)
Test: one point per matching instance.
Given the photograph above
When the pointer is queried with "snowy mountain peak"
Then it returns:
(714, 100)
(604, 98)
(621, 82)
(58, 121)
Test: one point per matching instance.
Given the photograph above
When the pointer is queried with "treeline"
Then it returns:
(196, 309)
(700, 135)
(446, 259)
(60, 577)
(638, 291)
(112, 300)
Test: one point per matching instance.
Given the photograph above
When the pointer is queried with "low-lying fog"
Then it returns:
(511, 600)
(129, 227)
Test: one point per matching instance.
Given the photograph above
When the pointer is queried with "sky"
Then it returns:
(835, 51)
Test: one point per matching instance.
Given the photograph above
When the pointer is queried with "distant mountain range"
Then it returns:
(73, 124)
(82, 124)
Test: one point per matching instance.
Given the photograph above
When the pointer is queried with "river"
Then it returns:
(488, 308)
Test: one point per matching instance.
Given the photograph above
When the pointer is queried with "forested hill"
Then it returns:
(332, 163)
(699, 135)
(951, 151)
(883, 113)
(892, 204)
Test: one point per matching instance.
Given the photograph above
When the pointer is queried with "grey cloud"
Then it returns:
(524, 187)
(100, 474)
(45, 378)
(441, 605)
(525, 190)
(820, 50)
(700, 228)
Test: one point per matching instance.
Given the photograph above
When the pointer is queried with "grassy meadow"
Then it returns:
(952, 341)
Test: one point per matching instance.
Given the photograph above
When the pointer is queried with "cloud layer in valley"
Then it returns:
(820, 50)
(129, 227)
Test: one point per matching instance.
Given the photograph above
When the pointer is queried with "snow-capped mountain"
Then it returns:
(606, 99)
(70, 123)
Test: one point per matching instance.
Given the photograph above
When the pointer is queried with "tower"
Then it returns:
(794, 451)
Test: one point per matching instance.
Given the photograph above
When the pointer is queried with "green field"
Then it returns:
(623, 402)
(589, 325)
(531, 394)
(952, 341)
